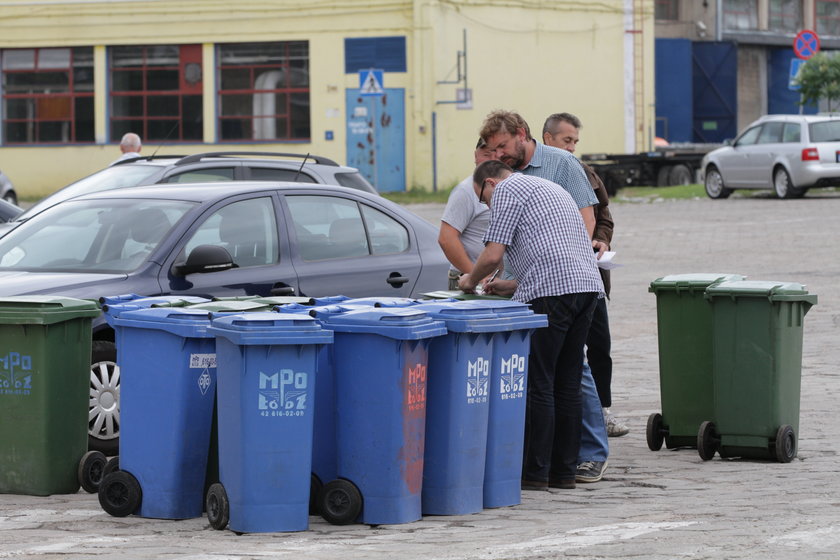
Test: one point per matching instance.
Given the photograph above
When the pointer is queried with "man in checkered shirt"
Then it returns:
(543, 233)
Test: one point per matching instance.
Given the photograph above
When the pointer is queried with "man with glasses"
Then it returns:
(540, 228)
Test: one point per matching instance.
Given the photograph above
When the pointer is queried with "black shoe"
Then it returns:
(534, 484)
(562, 483)
(590, 471)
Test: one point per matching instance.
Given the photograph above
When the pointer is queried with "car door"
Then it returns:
(248, 228)
(735, 164)
(768, 146)
(348, 246)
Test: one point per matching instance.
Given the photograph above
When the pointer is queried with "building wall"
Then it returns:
(534, 57)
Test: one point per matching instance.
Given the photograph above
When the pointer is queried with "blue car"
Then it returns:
(211, 240)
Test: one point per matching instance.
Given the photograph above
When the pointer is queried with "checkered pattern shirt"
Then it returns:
(561, 167)
(547, 244)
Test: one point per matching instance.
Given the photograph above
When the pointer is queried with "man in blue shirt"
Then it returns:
(540, 228)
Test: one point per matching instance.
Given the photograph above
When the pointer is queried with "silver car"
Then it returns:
(7, 190)
(787, 153)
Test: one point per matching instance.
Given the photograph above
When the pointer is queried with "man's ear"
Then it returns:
(546, 138)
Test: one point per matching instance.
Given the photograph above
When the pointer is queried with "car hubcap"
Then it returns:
(104, 411)
(713, 184)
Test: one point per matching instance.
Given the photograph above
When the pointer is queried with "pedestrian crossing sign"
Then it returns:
(370, 82)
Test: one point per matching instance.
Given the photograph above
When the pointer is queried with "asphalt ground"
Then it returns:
(663, 505)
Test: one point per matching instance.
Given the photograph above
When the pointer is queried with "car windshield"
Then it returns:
(97, 236)
(114, 177)
(826, 131)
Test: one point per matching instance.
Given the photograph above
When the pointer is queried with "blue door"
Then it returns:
(715, 77)
(376, 137)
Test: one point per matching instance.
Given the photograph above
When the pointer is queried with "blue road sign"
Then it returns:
(795, 65)
(806, 44)
(370, 82)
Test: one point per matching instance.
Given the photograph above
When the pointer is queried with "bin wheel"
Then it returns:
(340, 502)
(785, 444)
(217, 506)
(655, 432)
(112, 465)
(708, 440)
(315, 489)
(120, 494)
(91, 470)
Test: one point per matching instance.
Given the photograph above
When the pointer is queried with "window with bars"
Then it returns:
(666, 10)
(156, 92)
(47, 95)
(785, 15)
(740, 15)
(264, 91)
(827, 17)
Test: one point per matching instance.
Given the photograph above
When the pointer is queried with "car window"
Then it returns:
(246, 228)
(771, 133)
(792, 133)
(110, 236)
(749, 137)
(826, 131)
(115, 177)
(354, 181)
(327, 227)
(386, 234)
(211, 175)
(277, 174)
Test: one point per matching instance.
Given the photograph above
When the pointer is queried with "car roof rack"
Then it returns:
(198, 157)
(148, 158)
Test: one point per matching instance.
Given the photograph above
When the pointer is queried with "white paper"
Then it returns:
(606, 261)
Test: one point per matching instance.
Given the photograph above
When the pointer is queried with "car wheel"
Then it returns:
(11, 197)
(784, 186)
(714, 184)
(104, 411)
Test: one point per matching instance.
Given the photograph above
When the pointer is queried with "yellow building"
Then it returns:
(397, 88)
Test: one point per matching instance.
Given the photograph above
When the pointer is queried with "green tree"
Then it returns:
(819, 78)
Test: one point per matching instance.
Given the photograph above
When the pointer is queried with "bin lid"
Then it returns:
(459, 295)
(231, 306)
(383, 301)
(114, 305)
(44, 310)
(187, 322)
(460, 316)
(268, 327)
(772, 290)
(517, 315)
(283, 300)
(690, 282)
(401, 323)
(327, 300)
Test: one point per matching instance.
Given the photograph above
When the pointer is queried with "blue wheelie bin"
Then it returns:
(267, 377)
(508, 383)
(457, 408)
(168, 381)
(380, 363)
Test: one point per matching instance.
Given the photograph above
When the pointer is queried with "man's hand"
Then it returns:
(600, 247)
(500, 287)
(466, 284)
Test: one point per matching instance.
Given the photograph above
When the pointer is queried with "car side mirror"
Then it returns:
(205, 258)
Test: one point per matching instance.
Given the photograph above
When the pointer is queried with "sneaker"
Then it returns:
(563, 483)
(591, 471)
(534, 484)
(615, 427)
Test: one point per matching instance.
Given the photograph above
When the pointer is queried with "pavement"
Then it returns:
(661, 505)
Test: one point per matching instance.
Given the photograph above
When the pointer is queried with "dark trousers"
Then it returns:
(598, 345)
(553, 406)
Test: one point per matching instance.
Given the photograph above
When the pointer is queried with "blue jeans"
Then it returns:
(594, 444)
(553, 405)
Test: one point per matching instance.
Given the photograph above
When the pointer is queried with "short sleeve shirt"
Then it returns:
(563, 168)
(547, 244)
(467, 215)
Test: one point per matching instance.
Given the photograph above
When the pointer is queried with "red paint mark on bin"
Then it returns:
(414, 427)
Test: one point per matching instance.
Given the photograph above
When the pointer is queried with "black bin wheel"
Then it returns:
(785, 444)
(655, 432)
(340, 502)
(113, 465)
(217, 505)
(708, 440)
(120, 494)
(315, 488)
(91, 471)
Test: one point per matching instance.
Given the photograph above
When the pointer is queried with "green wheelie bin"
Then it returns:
(757, 369)
(684, 324)
(45, 345)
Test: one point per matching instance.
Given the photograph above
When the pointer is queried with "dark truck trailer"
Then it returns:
(666, 166)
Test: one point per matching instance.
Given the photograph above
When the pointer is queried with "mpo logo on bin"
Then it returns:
(15, 374)
(283, 393)
(478, 375)
(512, 380)
(416, 390)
